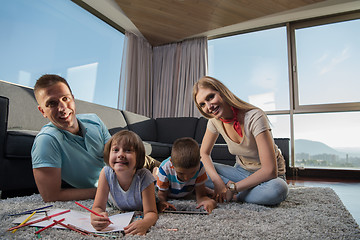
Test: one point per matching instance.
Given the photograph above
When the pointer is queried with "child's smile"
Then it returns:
(122, 162)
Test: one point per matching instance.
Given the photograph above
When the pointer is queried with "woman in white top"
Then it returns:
(259, 173)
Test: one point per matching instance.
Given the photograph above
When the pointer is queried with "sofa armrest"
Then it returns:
(284, 145)
(4, 111)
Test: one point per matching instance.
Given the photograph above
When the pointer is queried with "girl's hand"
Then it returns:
(136, 228)
(208, 205)
(99, 223)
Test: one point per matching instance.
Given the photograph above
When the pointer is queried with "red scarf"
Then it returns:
(237, 125)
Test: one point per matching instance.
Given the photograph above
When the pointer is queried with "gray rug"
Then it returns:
(308, 213)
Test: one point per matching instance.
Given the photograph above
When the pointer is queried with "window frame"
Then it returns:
(295, 107)
(315, 108)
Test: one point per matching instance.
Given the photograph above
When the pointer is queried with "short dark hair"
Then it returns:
(130, 140)
(48, 80)
(185, 153)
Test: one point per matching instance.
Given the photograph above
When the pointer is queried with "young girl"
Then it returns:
(131, 186)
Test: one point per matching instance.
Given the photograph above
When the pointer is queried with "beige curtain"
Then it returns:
(157, 82)
(176, 67)
(136, 88)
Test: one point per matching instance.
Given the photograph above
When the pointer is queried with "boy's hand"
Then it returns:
(162, 205)
(99, 223)
(208, 204)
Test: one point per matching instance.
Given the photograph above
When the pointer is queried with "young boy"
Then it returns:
(181, 174)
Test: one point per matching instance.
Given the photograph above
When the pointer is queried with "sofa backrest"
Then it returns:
(200, 131)
(144, 126)
(24, 114)
(112, 118)
(170, 129)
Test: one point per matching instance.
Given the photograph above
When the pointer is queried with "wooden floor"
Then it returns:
(348, 191)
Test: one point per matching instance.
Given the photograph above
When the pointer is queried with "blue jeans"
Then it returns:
(271, 192)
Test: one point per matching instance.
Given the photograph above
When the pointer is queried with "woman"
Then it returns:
(259, 173)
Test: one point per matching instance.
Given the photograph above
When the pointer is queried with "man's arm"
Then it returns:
(48, 181)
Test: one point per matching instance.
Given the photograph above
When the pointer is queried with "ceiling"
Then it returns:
(167, 21)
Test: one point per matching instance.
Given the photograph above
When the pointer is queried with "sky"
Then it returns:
(51, 36)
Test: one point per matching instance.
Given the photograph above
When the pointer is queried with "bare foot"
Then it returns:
(155, 172)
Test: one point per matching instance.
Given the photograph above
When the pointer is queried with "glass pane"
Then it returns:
(254, 66)
(280, 126)
(51, 36)
(328, 62)
(327, 140)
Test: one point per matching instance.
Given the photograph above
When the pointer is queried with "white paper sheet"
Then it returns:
(80, 220)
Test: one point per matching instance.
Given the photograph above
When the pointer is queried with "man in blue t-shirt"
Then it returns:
(70, 147)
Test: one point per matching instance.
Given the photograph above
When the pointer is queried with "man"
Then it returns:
(69, 148)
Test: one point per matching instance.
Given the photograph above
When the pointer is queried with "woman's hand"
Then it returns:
(220, 192)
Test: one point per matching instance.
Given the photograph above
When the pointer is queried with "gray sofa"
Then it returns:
(20, 121)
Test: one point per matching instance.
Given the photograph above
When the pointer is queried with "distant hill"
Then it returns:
(314, 147)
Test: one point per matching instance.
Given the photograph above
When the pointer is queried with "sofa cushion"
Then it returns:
(145, 127)
(19, 143)
(170, 129)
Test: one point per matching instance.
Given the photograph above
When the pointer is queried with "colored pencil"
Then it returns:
(49, 226)
(90, 210)
(27, 219)
(39, 220)
(30, 211)
(71, 228)
(83, 230)
(38, 235)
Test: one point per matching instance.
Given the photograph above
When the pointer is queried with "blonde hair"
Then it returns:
(225, 93)
(127, 139)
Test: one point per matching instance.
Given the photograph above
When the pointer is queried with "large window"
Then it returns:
(51, 36)
(254, 66)
(323, 113)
